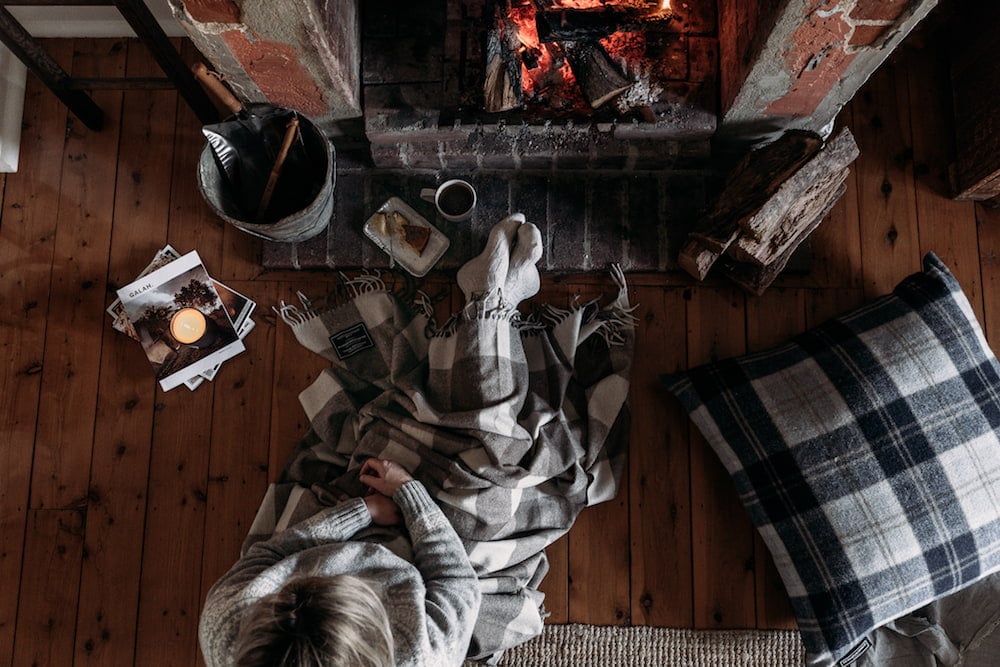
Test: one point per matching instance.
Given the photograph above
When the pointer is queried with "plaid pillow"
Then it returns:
(866, 451)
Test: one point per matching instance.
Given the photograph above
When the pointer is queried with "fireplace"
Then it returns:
(536, 84)
(611, 122)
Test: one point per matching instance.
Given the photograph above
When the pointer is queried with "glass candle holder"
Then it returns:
(189, 326)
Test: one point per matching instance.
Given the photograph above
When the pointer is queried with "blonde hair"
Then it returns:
(334, 621)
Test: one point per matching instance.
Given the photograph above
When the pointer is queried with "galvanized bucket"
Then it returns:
(301, 225)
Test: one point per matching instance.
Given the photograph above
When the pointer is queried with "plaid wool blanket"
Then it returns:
(513, 424)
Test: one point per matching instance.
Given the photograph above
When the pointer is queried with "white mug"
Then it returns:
(454, 199)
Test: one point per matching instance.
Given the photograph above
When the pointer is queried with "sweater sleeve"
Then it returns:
(452, 587)
(228, 597)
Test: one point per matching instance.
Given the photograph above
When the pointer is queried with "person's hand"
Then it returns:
(383, 509)
(384, 476)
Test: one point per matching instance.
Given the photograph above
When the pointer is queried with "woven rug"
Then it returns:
(613, 646)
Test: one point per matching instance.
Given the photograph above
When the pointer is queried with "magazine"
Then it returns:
(238, 307)
(180, 320)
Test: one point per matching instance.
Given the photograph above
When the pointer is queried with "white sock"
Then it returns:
(523, 281)
(488, 270)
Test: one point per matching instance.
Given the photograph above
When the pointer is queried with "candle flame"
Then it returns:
(665, 6)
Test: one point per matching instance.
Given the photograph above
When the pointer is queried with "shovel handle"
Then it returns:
(290, 131)
(213, 86)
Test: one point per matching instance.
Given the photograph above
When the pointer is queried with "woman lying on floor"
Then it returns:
(476, 412)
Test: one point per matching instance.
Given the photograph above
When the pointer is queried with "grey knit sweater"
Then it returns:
(432, 602)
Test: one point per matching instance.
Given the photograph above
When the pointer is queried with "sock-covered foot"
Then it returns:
(488, 270)
(523, 280)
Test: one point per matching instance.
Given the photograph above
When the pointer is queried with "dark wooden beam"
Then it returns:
(114, 83)
(149, 31)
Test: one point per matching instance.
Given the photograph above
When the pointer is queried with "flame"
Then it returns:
(579, 4)
(523, 17)
(550, 76)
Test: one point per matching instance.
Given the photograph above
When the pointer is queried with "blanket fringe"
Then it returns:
(366, 283)
(293, 315)
(610, 322)
(618, 316)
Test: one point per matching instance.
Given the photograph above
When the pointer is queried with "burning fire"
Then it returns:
(545, 72)
(540, 68)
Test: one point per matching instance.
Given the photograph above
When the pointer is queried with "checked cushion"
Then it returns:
(866, 452)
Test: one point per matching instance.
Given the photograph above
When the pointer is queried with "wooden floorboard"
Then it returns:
(120, 504)
(27, 241)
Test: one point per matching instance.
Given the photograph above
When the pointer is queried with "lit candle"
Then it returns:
(187, 325)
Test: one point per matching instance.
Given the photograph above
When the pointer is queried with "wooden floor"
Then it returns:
(120, 504)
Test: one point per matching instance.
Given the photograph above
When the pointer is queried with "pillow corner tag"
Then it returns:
(859, 650)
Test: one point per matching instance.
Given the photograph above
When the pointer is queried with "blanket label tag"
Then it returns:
(348, 342)
(855, 653)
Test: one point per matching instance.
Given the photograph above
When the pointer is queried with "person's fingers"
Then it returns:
(371, 466)
(374, 482)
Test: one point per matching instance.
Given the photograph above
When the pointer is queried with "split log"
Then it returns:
(696, 259)
(769, 205)
(818, 198)
(502, 83)
(756, 279)
(752, 182)
(825, 166)
(599, 78)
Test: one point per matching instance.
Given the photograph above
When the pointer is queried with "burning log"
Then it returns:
(598, 77)
(561, 24)
(502, 85)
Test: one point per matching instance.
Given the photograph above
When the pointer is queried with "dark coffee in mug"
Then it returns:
(455, 199)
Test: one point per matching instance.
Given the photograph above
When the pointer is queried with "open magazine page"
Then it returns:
(180, 320)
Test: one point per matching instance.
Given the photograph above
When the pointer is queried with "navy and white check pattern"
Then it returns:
(867, 453)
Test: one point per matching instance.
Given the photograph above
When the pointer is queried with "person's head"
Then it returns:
(334, 621)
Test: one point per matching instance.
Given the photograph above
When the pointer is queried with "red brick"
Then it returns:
(815, 62)
(213, 11)
(866, 35)
(275, 68)
(879, 10)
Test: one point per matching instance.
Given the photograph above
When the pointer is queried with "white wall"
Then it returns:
(58, 22)
(12, 76)
(89, 21)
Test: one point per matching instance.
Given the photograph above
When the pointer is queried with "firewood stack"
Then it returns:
(774, 198)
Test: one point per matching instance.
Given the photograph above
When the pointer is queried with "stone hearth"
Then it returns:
(588, 219)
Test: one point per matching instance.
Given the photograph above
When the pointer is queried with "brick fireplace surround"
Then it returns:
(396, 86)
